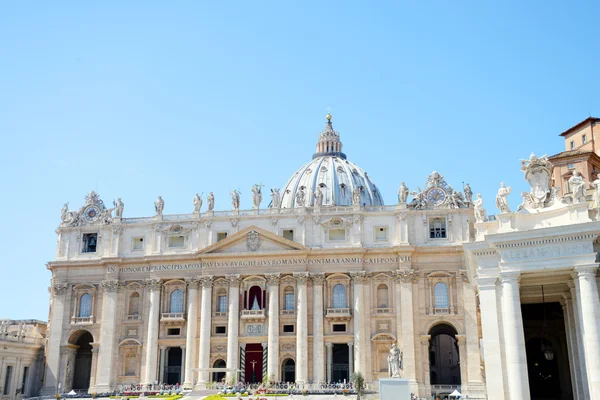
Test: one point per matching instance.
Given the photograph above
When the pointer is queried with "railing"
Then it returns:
(132, 318)
(338, 313)
(440, 389)
(220, 314)
(253, 313)
(288, 312)
(382, 310)
(82, 320)
(441, 311)
(172, 316)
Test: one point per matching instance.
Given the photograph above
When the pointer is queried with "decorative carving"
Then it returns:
(159, 206)
(501, 198)
(275, 198)
(464, 275)
(402, 216)
(192, 283)
(538, 173)
(197, 203)
(257, 195)
(596, 198)
(405, 275)
(119, 206)
(60, 288)
(288, 346)
(357, 219)
(480, 214)
(316, 219)
(359, 277)
(234, 279)
(207, 223)
(468, 194)
(219, 348)
(300, 219)
(337, 222)
(318, 194)
(300, 197)
(436, 194)
(109, 286)
(117, 230)
(92, 212)
(153, 284)
(206, 281)
(356, 193)
(273, 279)
(253, 240)
(274, 221)
(577, 185)
(301, 277)
(234, 222)
(318, 278)
(210, 200)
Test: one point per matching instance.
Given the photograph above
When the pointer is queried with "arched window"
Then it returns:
(339, 296)
(440, 296)
(85, 306)
(289, 299)
(382, 296)
(134, 304)
(176, 301)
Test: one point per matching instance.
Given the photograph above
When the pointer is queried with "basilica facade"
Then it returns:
(321, 281)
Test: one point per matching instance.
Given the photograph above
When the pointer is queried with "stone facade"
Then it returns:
(21, 358)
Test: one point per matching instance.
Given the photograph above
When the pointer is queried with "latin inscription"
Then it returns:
(545, 252)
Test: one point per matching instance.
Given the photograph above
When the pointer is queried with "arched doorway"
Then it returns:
(218, 376)
(444, 361)
(288, 370)
(80, 370)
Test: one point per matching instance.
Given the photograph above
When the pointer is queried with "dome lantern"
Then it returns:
(329, 143)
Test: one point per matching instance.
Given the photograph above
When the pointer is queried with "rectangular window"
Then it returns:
(90, 242)
(337, 234)
(24, 383)
(177, 241)
(289, 301)
(222, 304)
(7, 380)
(220, 330)
(584, 139)
(339, 327)
(138, 244)
(221, 236)
(381, 233)
(288, 329)
(437, 228)
(571, 166)
(288, 234)
(572, 144)
(174, 331)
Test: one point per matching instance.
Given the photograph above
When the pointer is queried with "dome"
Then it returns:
(329, 176)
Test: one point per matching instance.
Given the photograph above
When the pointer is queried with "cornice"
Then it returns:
(548, 240)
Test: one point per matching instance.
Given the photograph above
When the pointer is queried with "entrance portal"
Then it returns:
(254, 360)
(83, 362)
(218, 376)
(174, 358)
(444, 361)
(340, 370)
(288, 370)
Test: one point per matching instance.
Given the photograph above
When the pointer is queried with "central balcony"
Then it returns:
(338, 314)
(172, 318)
(82, 320)
(253, 315)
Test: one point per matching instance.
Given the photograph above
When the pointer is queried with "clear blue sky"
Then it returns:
(172, 98)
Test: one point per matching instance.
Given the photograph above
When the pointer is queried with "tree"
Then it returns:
(359, 385)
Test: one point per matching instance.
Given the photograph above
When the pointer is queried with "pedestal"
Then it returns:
(394, 389)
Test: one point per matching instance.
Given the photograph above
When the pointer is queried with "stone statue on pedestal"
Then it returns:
(596, 198)
(356, 196)
(211, 201)
(479, 211)
(159, 206)
(256, 195)
(468, 194)
(300, 197)
(235, 199)
(318, 197)
(197, 203)
(402, 194)
(275, 198)
(395, 362)
(577, 185)
(119, 206)
(501, 198)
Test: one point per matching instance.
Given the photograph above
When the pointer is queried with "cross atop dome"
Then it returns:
(329, 143)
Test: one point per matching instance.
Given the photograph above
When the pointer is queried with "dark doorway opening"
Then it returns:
(174, 358)
(288, 370)
(340, 368)
(254, 360)
(444, 361)
(218, 376)
(83, 362)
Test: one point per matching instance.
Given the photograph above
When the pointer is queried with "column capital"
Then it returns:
(571, 284)
(206, 281)
(301, 277)
(234, 279)
(243, 346)
(273, 279)
(486, 283)
(192, 283)
(182, 347)
(359, 277)
(110, 285)
(153, 284)
(405, 275)
(461, 339)
(350, 344)
(317, 278)
(60, 288)
(512, 277)
(425, 339)
(585, 271)
(264, 345)
(328, 345)
(464, 275)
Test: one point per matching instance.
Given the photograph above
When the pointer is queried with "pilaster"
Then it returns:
(233, 321)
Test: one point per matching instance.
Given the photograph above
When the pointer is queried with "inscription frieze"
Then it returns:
(546, 252)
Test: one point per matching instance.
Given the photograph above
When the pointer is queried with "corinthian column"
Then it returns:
(514, 337)
(302, 329)
(190, 334)
(405, 323)
(358, 311)
(273, 333)
(107, 335)
(205, 328)
(153, 286)
(318, 345)
(233, 324)
(57, 316)
(589, 320)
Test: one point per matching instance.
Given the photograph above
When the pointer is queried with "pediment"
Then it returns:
(253, 240)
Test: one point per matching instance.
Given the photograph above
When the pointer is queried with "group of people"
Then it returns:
(158, 388)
